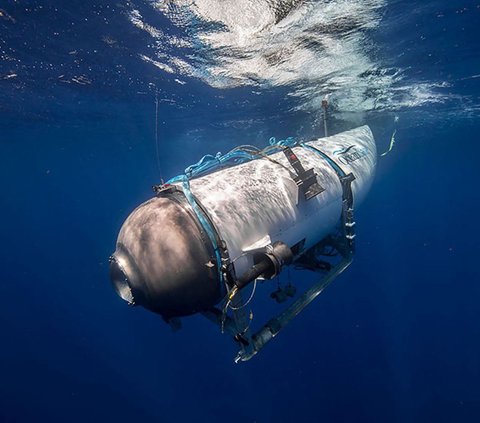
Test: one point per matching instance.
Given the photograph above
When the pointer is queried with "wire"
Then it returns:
(249, 299)
(228, 305)
(325, 107)
(230, 296)
(157, 146)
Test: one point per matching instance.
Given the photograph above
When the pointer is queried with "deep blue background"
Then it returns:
(396, 339)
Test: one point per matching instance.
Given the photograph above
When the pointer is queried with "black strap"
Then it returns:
(306, 180)
(348, 222)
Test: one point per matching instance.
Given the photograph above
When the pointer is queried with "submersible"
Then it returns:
(234, 219)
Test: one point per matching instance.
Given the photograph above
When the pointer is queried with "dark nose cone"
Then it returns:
(163, 262)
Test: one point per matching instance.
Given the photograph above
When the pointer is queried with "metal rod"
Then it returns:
(274, 326)
(324, 107)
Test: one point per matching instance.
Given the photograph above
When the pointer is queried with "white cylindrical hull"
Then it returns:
(257, 203)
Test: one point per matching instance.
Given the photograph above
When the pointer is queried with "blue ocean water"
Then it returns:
(395, 339)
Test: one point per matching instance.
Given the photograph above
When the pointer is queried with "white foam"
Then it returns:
(313, 47)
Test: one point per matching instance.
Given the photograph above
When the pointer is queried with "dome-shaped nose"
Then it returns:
(164, 261)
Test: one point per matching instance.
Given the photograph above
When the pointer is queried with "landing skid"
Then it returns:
(329, 258)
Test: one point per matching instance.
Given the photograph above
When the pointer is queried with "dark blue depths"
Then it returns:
(395, 339)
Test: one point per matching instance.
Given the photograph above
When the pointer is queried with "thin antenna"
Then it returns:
(157, 146)
(325, 107)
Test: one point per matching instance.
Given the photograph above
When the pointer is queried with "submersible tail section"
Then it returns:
(206, 235)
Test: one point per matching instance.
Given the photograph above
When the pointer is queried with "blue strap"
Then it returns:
(209, 163)
(287, 142)
(238, 155)
(206, 162)
(206, 225)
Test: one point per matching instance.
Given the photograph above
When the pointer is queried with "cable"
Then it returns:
(157, 147)
(249, 299)
(230, 296)
(325, 107)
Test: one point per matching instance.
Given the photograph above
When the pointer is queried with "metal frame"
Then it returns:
(238, 324)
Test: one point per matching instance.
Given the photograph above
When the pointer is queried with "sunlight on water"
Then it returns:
(314, 48)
